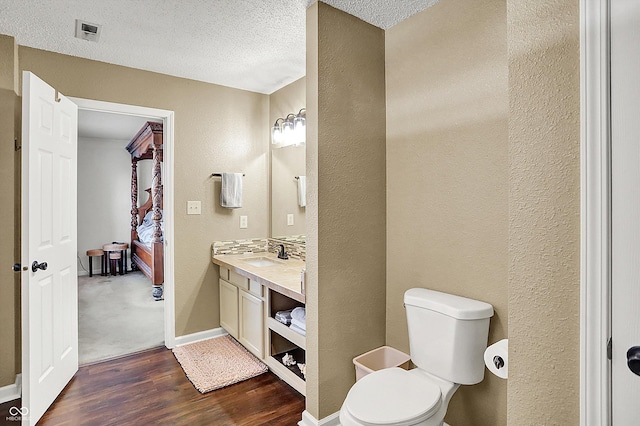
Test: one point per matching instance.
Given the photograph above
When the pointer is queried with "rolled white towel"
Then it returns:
(300, 314)
(284, 316)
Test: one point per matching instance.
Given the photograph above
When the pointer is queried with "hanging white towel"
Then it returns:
(231, 190)
(302, 191)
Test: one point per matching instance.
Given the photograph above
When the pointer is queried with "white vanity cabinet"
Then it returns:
(242, 310)
(250, 296)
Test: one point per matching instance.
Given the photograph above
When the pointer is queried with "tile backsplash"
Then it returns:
(258, 245)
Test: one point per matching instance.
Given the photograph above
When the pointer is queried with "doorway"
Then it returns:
(610, 323)
(131, 113)
(117, 314)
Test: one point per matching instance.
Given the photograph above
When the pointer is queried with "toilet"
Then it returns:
(447, 338)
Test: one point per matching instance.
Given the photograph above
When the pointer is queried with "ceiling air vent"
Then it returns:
(87, 31)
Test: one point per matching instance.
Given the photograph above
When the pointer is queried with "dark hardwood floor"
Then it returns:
(150, 388)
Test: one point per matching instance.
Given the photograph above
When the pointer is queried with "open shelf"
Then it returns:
(286, 374)
(299, 355)
(295, 338)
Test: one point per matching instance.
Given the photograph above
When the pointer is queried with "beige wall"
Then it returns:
(544, 206)
(447, 173)
(217, 129)
(286, 163)
(9, 253)
(346, 207)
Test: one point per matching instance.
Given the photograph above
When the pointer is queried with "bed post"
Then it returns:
(134, 207)
(157, 244)
(134, 199)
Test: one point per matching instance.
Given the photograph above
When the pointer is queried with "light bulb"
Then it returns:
(299, 125)
(287, 132)
(276, 134)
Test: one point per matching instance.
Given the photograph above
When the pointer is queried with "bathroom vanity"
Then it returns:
(253, 287)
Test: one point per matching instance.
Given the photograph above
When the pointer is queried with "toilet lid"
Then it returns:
(393, 396)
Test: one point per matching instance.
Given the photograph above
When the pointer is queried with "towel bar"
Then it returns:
(219, 175)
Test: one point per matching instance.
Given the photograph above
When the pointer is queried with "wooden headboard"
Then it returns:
(148, 205)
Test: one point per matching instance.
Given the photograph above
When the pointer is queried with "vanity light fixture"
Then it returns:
(290, 130)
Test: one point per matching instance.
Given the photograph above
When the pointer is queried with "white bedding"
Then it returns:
(145, 229)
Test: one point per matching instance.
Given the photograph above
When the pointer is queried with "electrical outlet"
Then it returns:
(194, 207)
(244, 222)
(289, 219)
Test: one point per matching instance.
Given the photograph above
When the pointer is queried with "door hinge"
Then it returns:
(609, 349)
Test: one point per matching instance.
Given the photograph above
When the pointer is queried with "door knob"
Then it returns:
(35, 266)
(18, 267)
(633, 359)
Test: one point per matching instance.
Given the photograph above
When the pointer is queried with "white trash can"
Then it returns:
(379, 358)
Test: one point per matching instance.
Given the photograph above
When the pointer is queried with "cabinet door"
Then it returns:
(252, 323)
(229, 308)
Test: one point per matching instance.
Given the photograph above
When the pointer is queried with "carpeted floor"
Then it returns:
(117, 316)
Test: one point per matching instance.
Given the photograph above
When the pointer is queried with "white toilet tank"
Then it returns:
(448, 334)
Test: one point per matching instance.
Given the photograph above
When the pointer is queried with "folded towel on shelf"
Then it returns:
(302, 191)
(300, 324)
(283, 316)
(300, 314)
(298, 329)
(231, 190)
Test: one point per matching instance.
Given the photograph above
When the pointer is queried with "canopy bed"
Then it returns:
(147, 242)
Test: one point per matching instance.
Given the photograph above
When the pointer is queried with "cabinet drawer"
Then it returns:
(238, 280)
(256, 288)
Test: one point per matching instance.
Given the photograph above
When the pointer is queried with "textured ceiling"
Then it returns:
(256, 45)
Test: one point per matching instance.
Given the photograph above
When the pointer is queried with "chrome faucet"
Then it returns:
(282, 254)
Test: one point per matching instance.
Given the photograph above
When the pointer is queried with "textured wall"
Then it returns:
(286, 163)
(217, 129)
(544, 206)
(447, 173)
(346, 170)
(9, 253)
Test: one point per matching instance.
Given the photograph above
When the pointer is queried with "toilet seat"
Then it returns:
(393, 396)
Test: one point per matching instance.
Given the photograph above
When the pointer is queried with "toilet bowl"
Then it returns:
(447, 338)
(395, 396)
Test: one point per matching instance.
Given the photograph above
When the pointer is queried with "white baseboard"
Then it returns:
(11, 392)
(201, 335)
(309, 420)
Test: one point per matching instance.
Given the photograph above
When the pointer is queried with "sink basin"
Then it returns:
(261, 261)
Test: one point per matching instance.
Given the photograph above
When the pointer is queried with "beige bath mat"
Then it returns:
(215, 363)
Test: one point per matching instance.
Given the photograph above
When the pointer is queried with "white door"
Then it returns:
(625, 198)
(49, 235)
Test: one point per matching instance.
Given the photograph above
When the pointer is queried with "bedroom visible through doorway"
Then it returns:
(117, 313)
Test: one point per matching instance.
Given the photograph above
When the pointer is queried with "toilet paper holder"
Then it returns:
(498, 361)
(496, 358)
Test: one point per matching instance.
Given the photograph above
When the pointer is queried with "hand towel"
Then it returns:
(300, 324)
(297, 329)
(231, 190)
(302, 191)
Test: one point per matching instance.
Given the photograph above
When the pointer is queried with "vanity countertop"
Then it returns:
(283, 277)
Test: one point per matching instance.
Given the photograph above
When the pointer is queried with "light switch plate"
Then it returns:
(290, 219)
(194, 207)
(244, 222)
